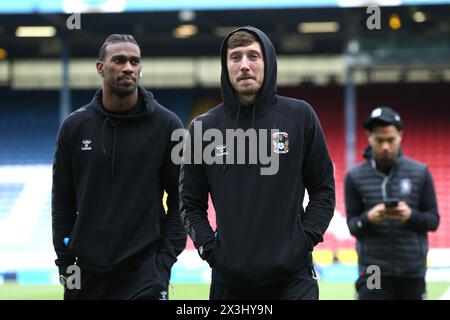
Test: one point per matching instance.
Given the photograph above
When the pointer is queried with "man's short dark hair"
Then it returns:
(115, 38)
(241, 39)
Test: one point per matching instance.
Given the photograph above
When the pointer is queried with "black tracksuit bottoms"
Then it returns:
(304, 286)
(141, 278)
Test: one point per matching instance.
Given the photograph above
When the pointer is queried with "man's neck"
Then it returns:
(247, 100)
(384, 167)
(114, 103)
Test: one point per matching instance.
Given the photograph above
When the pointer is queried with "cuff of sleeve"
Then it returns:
(413, 219)
(206, 249)
(309, 241)
(63, 268)
(166, 260)
(363, 221)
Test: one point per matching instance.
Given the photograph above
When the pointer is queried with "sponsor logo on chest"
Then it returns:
(86, 145)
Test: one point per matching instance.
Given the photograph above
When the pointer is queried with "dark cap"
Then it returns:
(383, 116)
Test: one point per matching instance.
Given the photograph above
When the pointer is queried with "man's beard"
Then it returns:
(122, 91)
(388, 161)
(248, 91)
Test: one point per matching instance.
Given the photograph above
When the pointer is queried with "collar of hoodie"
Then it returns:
(147, 103)
(266, 94)
(236, 120)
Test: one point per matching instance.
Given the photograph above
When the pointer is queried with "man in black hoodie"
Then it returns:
(262, 248)
(112, 165)
(391, 206)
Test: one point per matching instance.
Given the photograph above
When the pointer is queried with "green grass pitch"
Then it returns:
(328, 291)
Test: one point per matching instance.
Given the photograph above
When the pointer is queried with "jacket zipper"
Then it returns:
(384, 194)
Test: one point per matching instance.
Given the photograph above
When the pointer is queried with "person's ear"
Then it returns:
(400, 135)
(370, 138)
(100, 68)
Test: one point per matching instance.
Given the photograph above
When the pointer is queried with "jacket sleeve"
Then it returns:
(174, 235)
(319, 181)
(194, 191)
(427, 217)
(357, 220)
(64, 209)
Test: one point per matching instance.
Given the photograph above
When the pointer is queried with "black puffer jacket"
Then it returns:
(399, 249)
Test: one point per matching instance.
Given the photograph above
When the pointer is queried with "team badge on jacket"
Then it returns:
(405, 186)
(280, 142)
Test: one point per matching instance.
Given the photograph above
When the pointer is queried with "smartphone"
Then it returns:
(392, 203)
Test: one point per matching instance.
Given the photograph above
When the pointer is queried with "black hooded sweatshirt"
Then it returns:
(263, 233)
(109, 175)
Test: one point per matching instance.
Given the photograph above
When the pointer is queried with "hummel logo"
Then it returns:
(221, 150)
(86, 144)
(163, 295)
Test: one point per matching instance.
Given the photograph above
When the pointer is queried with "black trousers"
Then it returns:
(303, 287)
(140, 278)
(392, 288)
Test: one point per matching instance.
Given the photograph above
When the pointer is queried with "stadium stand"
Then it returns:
(425, 139)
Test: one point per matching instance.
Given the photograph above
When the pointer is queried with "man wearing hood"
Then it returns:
(112, 165)
(391, 206)
(262, 248)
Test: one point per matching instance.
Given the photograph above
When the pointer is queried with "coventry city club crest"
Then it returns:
(280, 142)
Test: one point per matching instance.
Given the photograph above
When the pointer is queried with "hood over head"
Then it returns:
(266, 94)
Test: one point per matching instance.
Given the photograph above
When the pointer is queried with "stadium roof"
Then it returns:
(104, 6)
(155, 31)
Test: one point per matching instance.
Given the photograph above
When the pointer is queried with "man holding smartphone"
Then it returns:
(391, 205)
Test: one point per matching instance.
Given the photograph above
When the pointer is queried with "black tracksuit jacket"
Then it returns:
(109, 175)
(399, 249)
(263, 232)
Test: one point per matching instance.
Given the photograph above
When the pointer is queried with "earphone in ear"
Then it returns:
(140, 74)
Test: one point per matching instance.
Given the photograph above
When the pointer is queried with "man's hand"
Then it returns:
(377, 214)
(400, 213)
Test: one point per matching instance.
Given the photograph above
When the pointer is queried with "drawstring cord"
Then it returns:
(253, 127)
(114, 124)
(224, 168)
(114, 149)
(103, 134)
